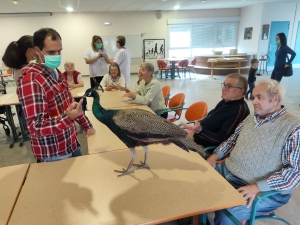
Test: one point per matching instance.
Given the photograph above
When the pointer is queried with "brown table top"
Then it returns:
(5, 75)
(104, 140)
(112, 99)
(77, 92)
(86, 190)
(14, 100)
(173, 59)
(11, 181)
(5, 98)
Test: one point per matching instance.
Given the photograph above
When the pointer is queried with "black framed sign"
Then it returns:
(154, 48)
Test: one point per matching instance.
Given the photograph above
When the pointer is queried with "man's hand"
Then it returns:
(212, 160)
(130, 95)
(196, 127)
(89, 132)
(249, 192)
(74, 110)
(286, 65)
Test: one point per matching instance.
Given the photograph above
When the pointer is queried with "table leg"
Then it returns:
(212, 71)
(239, 71)
(173, 70)
(22, 128)
(12, 125)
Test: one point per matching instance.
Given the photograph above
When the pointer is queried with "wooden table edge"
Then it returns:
(208, 210)
(17, 197)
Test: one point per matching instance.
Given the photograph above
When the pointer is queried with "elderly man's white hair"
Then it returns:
(273, 88)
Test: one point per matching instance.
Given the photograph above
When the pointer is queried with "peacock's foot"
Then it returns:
(123, 172)
(142, 165)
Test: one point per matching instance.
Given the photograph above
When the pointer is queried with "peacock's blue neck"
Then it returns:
(96, 104)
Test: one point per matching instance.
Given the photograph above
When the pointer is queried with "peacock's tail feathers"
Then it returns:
(187, 143)
(144, 124)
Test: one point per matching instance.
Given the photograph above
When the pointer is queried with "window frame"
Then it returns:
(236, 23)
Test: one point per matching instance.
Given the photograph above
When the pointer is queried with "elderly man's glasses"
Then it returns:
(228, 86)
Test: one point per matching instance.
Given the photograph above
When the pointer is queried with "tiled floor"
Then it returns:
(200, 88)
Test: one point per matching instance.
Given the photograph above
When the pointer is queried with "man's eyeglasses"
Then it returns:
(228, 86)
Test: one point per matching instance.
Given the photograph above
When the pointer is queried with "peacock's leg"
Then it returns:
(145, 163)
(128, 170)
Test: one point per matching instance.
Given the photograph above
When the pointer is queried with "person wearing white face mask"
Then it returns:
(47, 104)
(94, 56)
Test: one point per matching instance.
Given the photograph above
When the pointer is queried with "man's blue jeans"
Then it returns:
(76, 153)
(265, 205)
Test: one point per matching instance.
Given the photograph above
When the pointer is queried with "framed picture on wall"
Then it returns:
(248, 33)
(154, 48)
(265, 32)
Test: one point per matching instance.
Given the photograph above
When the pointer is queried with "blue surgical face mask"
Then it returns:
(99, 45)
(277, 42)
(52, 61)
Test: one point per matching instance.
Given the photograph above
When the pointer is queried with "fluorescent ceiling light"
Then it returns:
(70, 9)
(176, 7)
(107, 23)
(25, 14)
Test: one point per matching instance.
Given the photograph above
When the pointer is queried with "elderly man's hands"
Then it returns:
(196, 127)
(249, 192)
(212, 160)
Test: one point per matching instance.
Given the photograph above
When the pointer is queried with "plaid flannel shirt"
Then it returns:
(44, 101)
(289, 176)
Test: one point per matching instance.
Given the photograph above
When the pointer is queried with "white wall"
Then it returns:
(250, 17)
(257, 15)
(77, 29)
(280, 12)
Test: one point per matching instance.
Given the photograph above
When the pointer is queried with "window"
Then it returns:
(196, 39)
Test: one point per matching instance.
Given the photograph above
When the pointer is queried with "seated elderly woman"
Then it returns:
(72, 76)
(149, 91)
(74, 79)
(113, 79)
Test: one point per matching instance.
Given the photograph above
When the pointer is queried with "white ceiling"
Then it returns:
(27, 6)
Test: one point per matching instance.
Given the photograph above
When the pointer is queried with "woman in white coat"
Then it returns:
(97, 63)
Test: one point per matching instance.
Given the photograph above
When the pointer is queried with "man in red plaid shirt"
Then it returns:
(48, 106)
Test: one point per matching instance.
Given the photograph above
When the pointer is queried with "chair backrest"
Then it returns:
(9, 71)
(196, 111)
(161, 64)
(177, 100)
(194, 61)
(183, 63)
(166, 93)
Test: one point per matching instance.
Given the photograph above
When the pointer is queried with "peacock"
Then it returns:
(137, 127)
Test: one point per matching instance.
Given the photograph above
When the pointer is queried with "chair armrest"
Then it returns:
(257, 199)
(162, 111)
(210, 148)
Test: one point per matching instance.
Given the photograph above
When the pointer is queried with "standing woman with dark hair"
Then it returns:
(18, 54)
(281, 61)
(97, 63)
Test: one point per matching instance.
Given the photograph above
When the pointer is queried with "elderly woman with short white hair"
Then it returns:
(72, 76)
